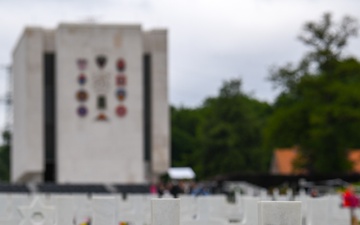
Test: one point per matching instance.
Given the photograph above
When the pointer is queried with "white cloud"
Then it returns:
(210, 40)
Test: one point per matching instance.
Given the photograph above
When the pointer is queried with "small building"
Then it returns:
(90, 104)
(283, 162)
(284, 158)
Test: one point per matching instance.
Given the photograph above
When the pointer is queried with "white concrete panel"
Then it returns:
(318, 211)
(276, 212)
(37, 213)
(5, 206)
(17, 201)
(250, 215)
(83, 211)
(187, 207)
(339, 215)
(165, 211)
(104, 210)
(65, 205)
(204, 222)
(213, 206)
(128, 210)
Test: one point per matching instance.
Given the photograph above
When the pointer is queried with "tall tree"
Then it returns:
(231, 132)
(326, 40)
(223, 135)
(318, 109)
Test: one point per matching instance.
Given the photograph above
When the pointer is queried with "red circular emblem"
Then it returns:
(121, 110)
(120, 65)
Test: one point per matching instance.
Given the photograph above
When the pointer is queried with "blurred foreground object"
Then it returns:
(351, 201)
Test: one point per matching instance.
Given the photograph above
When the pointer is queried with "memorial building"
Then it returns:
(90, 105)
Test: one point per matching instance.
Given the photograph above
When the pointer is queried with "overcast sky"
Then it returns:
(209, 40)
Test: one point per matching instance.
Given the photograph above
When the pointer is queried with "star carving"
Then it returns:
(37, 214)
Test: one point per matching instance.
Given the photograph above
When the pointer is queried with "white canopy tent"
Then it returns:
(178, 173)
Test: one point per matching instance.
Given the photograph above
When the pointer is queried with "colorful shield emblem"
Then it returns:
(120, 65)
(120, 94)
(102, 117)
(121, 111)
(101, 102)
(82, 111)
(82, 96)
(82, 79)
(82, 63)
(101, 61)
(124, 223)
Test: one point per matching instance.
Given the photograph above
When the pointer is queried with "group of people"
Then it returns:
(175, 188)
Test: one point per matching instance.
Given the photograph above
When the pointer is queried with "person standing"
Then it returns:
(351, 201)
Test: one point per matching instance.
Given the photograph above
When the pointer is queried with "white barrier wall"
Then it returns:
(40, 209)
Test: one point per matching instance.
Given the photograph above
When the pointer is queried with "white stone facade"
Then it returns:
(104, 141)
(27, 145)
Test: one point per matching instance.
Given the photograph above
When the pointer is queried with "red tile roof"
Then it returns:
(283, 161)
(354, 157)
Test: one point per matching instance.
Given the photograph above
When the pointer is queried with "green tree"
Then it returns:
(231, 134)
(318, 109)
(5, 157)
(223, 135)
(184, 140)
